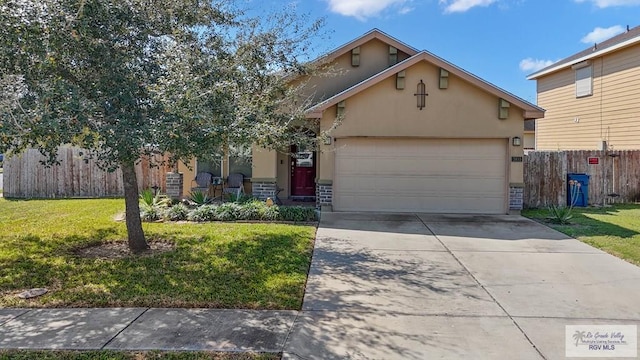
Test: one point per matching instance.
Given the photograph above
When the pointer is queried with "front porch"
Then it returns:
(292, 178)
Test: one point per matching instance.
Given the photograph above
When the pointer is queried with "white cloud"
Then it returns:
(363, 9)
(609, 3)
(452, 6)
(600, 34)
(532, 65)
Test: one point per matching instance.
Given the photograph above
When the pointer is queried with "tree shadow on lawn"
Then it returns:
(260, 271)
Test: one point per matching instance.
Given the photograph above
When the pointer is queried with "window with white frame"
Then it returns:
(584, 81)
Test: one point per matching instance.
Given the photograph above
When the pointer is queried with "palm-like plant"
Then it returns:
(578, 336)
(562, 214)
(151, 204)
(199, 198)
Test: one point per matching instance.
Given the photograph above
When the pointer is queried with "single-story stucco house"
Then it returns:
(416, 134)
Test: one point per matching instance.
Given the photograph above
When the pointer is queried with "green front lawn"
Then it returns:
(615, 230)
(120, 355)
(215, 265)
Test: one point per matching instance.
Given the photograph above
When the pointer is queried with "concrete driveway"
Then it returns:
(414, 286)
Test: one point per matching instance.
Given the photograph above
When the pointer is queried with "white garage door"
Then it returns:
(404, 175)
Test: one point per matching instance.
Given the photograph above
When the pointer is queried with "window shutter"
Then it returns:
(584, 81)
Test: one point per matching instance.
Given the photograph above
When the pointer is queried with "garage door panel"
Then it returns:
(443, 175)
(463, 205)
(416, 167)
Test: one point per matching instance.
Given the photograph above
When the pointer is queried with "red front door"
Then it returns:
(303, 172)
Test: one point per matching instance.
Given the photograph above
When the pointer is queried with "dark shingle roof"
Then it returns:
(618, 39)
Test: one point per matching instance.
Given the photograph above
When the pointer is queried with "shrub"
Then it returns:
(272, 213)
(203, 213)
(297, 213)
(177, 212)
(150, 213)
(252, 210)
(228, 212)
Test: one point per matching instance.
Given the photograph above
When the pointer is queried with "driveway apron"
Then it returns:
(417, 286)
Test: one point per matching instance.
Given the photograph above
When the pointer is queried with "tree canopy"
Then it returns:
(128, 78)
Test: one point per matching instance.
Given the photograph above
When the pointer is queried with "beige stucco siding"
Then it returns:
(284, 172)
(188, 175)
(340, 75)
(461, 111)
(610, 113)
(264, 163)
(529, 140)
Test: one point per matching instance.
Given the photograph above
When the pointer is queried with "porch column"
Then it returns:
(326, 164)
(264, 172)
(516, 175)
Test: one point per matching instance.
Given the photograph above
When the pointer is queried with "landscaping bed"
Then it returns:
(76, 250)
(615, 229)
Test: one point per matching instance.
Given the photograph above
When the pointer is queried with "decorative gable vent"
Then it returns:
(444, 79)
(340, 108)
(355, 57)
(503, 109)
(393, 55)
(400, 80)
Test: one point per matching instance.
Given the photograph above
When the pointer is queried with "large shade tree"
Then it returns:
(131, 78)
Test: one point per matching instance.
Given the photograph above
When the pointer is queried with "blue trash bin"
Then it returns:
(578, 190)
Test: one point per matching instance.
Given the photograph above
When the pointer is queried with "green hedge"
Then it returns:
(250, 210)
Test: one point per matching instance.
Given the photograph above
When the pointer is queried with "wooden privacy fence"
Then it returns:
(616, 173)
(26, 177)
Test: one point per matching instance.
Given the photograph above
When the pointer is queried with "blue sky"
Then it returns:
(501, 41)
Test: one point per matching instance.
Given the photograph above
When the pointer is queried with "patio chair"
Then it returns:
(202, 183)
(234, 185)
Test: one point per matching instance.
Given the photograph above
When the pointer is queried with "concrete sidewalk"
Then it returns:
(145, 329)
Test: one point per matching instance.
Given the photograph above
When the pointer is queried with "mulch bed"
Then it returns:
(120, 249)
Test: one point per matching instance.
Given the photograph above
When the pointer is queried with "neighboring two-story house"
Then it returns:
(416, 133)
(592, 98)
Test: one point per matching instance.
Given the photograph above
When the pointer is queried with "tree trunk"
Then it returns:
(137, 242)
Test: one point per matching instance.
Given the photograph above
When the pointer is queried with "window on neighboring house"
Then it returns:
(240, 160)
(584, 81)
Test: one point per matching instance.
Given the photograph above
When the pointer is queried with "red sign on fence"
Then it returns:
(594, 161)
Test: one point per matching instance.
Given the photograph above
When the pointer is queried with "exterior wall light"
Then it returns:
(516, 141)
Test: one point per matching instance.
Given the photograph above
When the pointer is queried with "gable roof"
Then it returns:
(530, 111)
(626, 39)
(373, 34)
